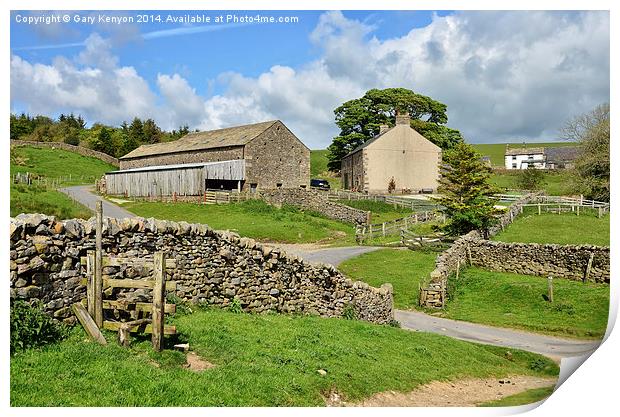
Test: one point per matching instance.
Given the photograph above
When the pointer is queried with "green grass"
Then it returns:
(403, 268)
(38, 199)
(380, 211)
(261, 360)
(527, 397)
(564, 228)
(55, 163)
(554, 182)
(497, 150)
(255, 219)
(52, 164)
(517, 301)
(318, 168)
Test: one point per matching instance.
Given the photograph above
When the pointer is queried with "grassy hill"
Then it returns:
(67, 168)
(318, 168)
(497, 150)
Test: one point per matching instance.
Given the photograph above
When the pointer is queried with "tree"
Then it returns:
(465, 191)
(103, 140)
(592, 167)
(135, 131)
(151, 132)
(530, 178)
(359, 120)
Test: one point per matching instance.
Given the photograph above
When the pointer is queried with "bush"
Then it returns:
(530, 179)
(31, 327)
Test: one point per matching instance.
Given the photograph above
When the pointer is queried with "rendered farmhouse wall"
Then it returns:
(213, 267)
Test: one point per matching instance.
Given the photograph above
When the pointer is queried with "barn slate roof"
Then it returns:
(210, 139)
(524, 151)
(562, 153)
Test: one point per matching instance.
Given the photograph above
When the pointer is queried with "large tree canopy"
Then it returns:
(591, 131)
(359, 120)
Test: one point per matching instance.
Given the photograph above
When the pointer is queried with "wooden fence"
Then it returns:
(367, 232)
(413, 240)
(414, 204)
(49, 182)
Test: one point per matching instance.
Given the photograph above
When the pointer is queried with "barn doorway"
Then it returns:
(222, 185)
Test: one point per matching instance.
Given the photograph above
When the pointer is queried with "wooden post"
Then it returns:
(550, 288)
(586, 277)
(458, 268)
(383, 229)
(469, 256)
(87, 322)
(539, 209)
(577, 210)
(159, 271)
(600, 212)
(90, 282)
(98, 291)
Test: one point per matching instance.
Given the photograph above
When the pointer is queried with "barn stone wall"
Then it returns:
(212, 267)
(192, 157)
(275, 157)
(65, 146)
(316, 201)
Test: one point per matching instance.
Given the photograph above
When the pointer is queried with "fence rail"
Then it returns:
(398, 201)
(52, 182)
(369, 231)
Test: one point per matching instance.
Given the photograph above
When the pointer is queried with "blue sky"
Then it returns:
(481, 64)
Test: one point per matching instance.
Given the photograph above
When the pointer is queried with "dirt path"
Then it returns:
(460, 393)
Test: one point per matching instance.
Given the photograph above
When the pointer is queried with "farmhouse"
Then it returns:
(523, 158)
(399, 153)
(257, 156)
(562, 157)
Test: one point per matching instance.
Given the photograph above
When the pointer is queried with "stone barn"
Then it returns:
(250, 157)
(399, 153)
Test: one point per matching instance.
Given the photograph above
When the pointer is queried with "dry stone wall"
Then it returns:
(212, 267)
(317, 201)
(561, 261)
(65, 146)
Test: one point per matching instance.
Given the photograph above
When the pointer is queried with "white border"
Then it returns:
(591, 390)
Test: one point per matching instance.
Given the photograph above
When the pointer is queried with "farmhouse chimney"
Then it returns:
(402, 118)
(383, 129)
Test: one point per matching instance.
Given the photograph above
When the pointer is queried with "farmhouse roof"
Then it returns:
(524, 151)
(230, 136)
(562, 153)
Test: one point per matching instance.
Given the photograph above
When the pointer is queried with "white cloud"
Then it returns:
(504, 76)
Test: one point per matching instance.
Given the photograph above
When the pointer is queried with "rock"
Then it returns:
(274, 292)
(32, 220)
(16, 229)
(41, 243)
(321, 372)
(73, 228)
(29, 292)
(57, 228)
(183, 347)
(21, 283)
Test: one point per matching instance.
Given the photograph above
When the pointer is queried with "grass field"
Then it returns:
(255, 219)
(497, 150)
(402, 268)
(55, 163)
(318, 168)
(527, 397)
(554, 183)
(565, 228)
(380, 211)
(37, 199)
(511, 300)
(260, 360)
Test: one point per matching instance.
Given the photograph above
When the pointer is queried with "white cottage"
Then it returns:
(523, 158)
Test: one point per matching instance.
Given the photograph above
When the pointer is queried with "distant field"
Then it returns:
(255, 219)
(566, 228)
(53, 164)
(512, 300)
(318, 168)
(497, 150)
(554, 182)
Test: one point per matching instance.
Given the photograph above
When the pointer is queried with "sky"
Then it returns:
(506, 76)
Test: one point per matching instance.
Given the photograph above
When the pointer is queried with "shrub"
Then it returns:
(348, 312)
(235, 306)
(31, 327)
